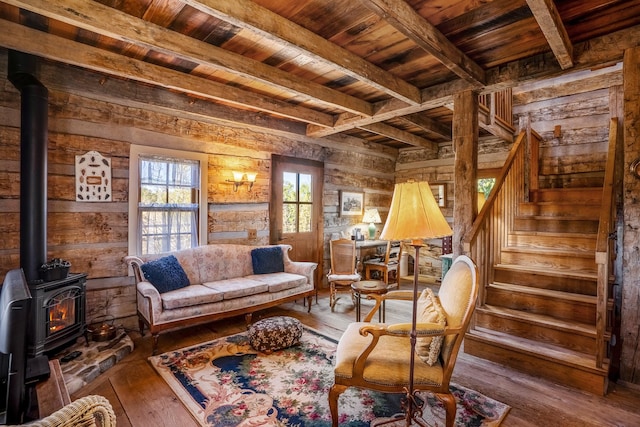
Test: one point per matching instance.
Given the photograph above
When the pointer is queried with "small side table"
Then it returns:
(365, 287)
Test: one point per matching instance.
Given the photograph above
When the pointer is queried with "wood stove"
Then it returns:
(58, 314)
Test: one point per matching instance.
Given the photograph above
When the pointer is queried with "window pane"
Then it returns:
(168, 219)
(289, 218)
(305, 219)
(153, 193)
(180, 195)
(305, 188)
(289, 187)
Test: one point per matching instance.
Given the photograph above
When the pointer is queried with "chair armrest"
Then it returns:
(398, 295)
(397, 330)
(303, 268)
(422, 329)
(391, 295)
(135, 262)
(153, 308)
(90, 410)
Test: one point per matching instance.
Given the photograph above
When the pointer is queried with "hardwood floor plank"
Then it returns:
(147, 400)
(141, 398)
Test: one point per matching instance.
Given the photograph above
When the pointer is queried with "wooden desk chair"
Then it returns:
(377, 356)
(343, 268)
(387, 266)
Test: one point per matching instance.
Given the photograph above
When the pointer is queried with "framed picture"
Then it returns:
(440, 194)
(351, 203)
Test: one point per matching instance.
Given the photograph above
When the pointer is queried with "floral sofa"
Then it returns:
(211, 282)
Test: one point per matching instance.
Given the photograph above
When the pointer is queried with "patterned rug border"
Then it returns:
(181, 390)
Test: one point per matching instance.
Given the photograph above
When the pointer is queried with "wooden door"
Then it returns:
(296, 208)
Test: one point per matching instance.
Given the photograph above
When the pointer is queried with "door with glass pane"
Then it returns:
(296, 208)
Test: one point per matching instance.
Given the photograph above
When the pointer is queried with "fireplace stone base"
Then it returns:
(94, 359)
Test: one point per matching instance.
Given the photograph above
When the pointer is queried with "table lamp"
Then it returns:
(414, 215)
(372, 217)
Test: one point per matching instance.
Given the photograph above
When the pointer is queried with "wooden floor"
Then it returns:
(141, 398)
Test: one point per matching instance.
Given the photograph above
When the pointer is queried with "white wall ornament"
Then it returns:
(93, 177)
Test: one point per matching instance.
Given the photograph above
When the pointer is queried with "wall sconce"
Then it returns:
(239, 179)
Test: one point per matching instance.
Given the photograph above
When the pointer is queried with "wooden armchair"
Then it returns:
(387, 266)
(376, 356)
(343, 268)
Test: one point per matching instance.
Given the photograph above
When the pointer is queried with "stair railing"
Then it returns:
(488, 235)
(605, 247)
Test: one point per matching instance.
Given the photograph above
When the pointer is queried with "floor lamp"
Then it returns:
(414, 215)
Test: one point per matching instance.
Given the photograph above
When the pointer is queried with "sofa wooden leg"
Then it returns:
(154, 348)
(310, 301)
(141, 326)
(247, 318)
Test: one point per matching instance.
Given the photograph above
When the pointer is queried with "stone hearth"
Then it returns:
(95, 359)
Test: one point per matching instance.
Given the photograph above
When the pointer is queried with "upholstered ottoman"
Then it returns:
(275, 333)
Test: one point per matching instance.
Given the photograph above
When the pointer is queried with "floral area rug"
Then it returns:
(226, 383)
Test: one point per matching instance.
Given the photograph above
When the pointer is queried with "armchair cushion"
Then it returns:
(430, 311)
(165, 273)
(387, 364)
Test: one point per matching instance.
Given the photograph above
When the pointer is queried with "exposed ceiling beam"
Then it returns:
(249, 15)
(429, 125)
(109, 22)
(550, 23)
(406, 20)
(399, 135)
(593, 52)
(24, 39)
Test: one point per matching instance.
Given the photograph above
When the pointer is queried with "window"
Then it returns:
(167, 200)
(297, 202)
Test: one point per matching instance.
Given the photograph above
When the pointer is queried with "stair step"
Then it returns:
(557, 259)
(562, 209)
(557, 364)
(578, 282)
(576, 336)
(581, 195)
(558, 304)
(555, 224)
(541, 239)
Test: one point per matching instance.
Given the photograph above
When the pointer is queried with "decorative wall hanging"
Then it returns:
(351, 203)
(93, 178)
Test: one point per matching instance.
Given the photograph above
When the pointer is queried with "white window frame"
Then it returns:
(134, 191)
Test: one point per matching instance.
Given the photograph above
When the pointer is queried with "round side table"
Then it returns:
(365, 287)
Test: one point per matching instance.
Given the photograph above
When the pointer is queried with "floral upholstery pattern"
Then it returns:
(275, 333)
(222, 284)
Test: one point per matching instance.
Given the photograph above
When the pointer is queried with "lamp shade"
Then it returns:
(371, 215)
(414, 214)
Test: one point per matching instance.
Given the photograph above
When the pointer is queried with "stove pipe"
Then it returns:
(34, 104)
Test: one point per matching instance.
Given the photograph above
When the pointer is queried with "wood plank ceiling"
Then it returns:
(379, 70)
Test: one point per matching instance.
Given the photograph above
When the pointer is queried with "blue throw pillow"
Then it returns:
(267, 260)
(166, 274)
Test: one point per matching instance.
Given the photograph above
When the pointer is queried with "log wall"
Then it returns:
(630, 327)
(88, 111)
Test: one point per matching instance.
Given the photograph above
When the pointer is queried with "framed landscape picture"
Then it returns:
(351, 203)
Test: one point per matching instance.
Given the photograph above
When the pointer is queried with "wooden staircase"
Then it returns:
(540, 308)
(543, 255)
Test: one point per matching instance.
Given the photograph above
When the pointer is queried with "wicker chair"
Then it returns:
(88, 411)
(343, 268)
